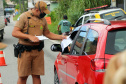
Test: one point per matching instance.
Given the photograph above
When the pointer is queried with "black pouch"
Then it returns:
(16, 50)
(41, 46)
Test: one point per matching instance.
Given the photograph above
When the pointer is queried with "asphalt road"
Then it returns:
(9, 74)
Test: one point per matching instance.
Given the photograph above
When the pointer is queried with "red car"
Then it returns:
(84, 61)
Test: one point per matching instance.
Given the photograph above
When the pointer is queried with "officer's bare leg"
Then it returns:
(36, 79)
(22, 80)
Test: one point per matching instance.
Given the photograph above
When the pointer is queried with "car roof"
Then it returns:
(118, 24)
(108, 10)
(102, 11)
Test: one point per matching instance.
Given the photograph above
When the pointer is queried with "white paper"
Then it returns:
(42, 37)
(65, 43)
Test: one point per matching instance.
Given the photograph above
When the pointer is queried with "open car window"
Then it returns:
(79, 40)
(91, 43)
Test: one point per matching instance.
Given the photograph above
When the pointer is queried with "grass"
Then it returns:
(16, 17)
(53, 27)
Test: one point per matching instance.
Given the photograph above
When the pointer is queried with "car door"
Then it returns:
(82, 52)
(62, 69)
(79, 22)
(62, 61)
(72, 59)
(87, 54)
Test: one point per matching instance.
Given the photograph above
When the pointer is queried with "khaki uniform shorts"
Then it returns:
(31, 63)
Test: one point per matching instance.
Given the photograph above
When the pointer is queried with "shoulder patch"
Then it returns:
(18, 19)
(41, 27)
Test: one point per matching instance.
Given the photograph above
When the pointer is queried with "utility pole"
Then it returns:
(20, 6)
(23, 5)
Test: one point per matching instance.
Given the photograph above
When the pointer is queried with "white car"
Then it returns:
(109, 14)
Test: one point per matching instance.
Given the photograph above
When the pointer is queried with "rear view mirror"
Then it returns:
(73, 25)
(56, 47)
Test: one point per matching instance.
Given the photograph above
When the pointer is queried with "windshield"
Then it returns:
(116, 41)
(112, 15)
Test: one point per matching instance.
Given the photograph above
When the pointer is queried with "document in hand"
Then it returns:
(42, 37)
(66, 42)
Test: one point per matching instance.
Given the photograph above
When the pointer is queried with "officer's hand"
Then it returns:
(64, 37)
(33, 39)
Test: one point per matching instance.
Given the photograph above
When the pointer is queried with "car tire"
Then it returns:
(56, 79)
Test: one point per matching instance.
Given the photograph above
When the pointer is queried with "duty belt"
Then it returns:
(19, 48)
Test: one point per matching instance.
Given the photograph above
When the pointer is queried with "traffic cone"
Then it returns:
(0, 79)
(2, 60)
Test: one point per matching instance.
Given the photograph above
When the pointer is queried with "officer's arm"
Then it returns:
(53, 36)
(18, 34)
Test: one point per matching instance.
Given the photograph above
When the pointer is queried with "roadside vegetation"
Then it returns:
(16, 17)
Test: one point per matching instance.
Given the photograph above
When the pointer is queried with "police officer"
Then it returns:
(31, 58)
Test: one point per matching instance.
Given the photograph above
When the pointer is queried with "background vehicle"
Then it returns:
(105, 13)
(2, 21)
(85, 60)
(8, 17)
(5, 21)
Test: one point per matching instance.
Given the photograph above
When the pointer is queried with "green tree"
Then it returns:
(15, 1)
(21, 4)
(4, 3)
(17, 7)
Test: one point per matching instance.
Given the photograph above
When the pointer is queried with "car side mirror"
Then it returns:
(56, 47)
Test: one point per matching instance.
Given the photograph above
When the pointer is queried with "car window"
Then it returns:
(72, 37)
(91, 43)
(86, 18)
(116, 41)
(79, 22)
(112, 15)
(79, 40)
(92, 17)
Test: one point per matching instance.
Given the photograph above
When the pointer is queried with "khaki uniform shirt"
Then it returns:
(36, 26)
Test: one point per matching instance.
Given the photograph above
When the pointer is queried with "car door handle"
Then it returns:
(76, 64)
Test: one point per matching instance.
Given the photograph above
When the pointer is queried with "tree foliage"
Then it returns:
(75, 8)
(21, 5)
(15, 1)
(4, 3)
